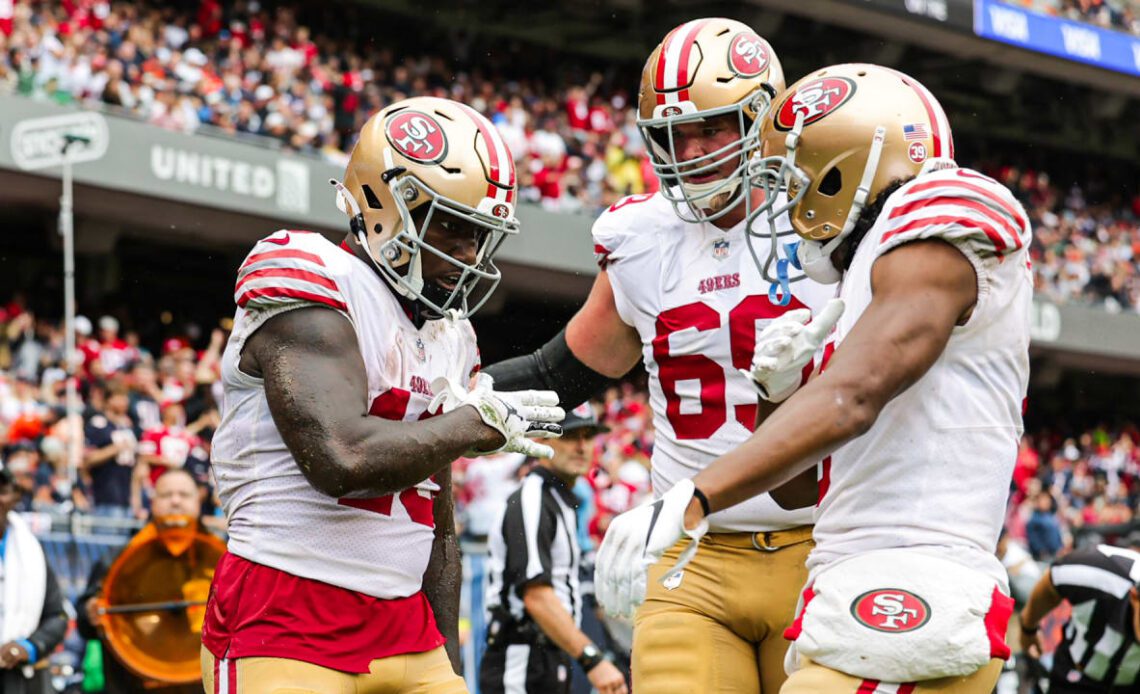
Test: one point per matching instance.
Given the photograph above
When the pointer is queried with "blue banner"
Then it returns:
(1111, 50)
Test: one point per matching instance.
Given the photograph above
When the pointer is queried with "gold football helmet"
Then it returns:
(833, 141)
(419, 158)
(702, 69)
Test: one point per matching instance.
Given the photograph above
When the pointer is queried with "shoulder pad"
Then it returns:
(286, 268)
(614, 227)
(961, 206)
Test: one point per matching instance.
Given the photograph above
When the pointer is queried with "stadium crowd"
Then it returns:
(1122, 15)
(248, 71)
(244, 70)
(1083, 251)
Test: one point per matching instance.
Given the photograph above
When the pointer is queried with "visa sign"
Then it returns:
(1084, 43)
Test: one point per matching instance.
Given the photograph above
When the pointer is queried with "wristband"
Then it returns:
(700, 496)
(1029, 631)
(591, 657)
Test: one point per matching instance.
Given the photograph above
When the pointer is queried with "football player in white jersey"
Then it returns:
(350, 384)
(679, 289)
(916, 413)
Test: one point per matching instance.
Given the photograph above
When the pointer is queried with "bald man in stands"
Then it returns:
(176, 505)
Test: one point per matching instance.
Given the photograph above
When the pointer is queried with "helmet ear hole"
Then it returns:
(370, 197)
(832, 183)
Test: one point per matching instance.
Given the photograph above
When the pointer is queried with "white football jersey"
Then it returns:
(377, 546)
(934, 470)
(696, 297)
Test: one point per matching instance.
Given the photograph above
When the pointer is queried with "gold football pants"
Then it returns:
(813, 678)
(414, 673)
(721, 627)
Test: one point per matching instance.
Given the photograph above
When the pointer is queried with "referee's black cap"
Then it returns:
(582, 417)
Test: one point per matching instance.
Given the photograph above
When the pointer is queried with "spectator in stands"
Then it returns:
(31, 602)
(22, 460)
(1043, 529)
(175, 497)
(166, 446)
(145, 394)
(110, 456)
(114, 353)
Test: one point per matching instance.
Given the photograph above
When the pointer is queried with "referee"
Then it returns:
(1100, 650)
(533, 595)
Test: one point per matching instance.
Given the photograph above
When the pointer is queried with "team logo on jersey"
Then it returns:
(720, 249)
(916, 152)
(417, 136)
(891, 610)
(748, 54)
(815, 99)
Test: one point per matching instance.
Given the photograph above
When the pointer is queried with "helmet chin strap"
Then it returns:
(701, 191)
(816, 258)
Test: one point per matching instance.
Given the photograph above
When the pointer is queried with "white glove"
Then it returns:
(785, 346)
(635, 541)
(519, 416)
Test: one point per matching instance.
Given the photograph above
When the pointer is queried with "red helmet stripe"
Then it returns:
(499, 161)
(673, 62)
(686, 57)
(659, 77)
(659, 80)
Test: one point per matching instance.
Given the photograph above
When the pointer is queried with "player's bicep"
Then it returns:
(314, 377)
(598, 336)
(921, 292)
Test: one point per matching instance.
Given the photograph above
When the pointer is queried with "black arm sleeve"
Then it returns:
(550, 367)
(53, 620)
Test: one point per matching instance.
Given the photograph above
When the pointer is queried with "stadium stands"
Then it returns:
(261, 75)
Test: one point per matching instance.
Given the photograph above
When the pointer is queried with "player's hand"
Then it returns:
(519, 416)
(785, 346)
(1032, 644)
(607, 679)
(94, 614)
(635, 541)
(12, 654)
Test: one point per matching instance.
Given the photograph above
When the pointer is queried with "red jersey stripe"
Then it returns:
(283, 253)
(867, 687)
(391, 404)
(285, 293)
(986, 210)
(989, 231)
(290, 273)
(907, 688)
(796, 628)
(987, 193)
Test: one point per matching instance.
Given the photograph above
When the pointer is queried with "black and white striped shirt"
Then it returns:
(1099, 650)
(535, 542)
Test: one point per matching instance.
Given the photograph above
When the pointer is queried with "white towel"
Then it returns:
(25, 581)
(898, 615)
